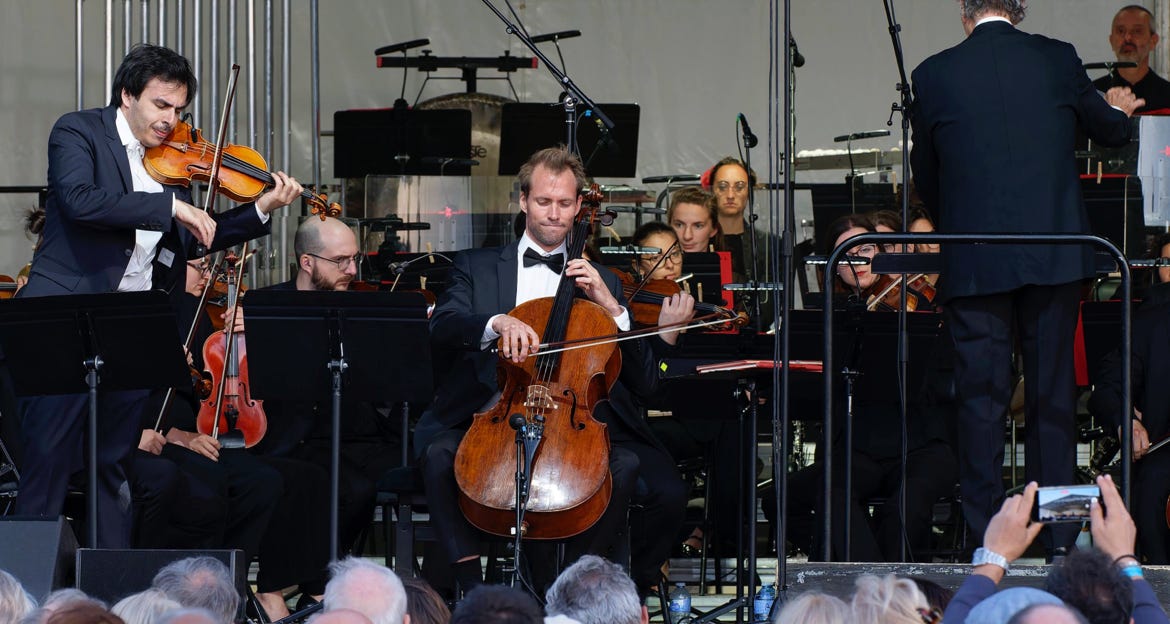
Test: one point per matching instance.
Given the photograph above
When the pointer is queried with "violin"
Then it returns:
(243, 175)
(887, 293)
(566, 449)
(646, 297)
(230, 414)
(7, 287)
(217, 299)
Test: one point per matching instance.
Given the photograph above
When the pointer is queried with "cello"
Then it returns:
(551, 396)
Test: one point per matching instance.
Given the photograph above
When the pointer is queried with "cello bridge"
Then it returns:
(538, 397)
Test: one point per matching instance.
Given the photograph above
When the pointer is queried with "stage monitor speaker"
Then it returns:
(111, 575)
(38, 552)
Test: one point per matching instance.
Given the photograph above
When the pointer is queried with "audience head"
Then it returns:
(936, 595)
(1048, 614)
(693, 214)
(83, 613)
(15, 602)
(57, 600)
(888, 599)
(595, 591)
(187, 616)
(730, 181)
(814, 607)
(340, 616)
(200, 583)
(496, 604)
(1088, 580)
(366, 587)
(145, 607)
(660, 235)
(423, 603)
(1002, 605)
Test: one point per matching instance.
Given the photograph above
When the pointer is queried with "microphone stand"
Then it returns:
(750, 141)
(902, 107)
(572, 95)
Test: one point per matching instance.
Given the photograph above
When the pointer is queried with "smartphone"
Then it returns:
(1064, 503)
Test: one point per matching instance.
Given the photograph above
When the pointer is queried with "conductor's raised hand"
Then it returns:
(586, 277)
(1124, 98)
(517, 339)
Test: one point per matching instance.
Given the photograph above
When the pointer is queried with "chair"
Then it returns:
(400, 494)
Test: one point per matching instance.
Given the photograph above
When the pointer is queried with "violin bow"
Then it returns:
(220, 141)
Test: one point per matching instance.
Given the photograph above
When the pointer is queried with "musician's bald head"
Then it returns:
(327, 254)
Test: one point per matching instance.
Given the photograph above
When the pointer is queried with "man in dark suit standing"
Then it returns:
(110, 227)
(995, 120)
(472, 314)
(1133, 38)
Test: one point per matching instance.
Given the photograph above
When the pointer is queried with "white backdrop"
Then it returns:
(690, 64)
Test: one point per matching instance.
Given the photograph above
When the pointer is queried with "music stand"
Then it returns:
(707, 269)
(393, 141)
(69, 344)
(303, 345)
(526, 128)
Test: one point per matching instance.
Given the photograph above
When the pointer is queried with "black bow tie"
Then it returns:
(556, 262)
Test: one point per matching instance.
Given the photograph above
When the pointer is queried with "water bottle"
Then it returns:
(680, 604)
(762, 606)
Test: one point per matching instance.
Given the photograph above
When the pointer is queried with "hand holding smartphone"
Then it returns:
(1065, 503)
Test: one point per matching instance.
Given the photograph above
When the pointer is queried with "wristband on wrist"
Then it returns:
(1119, 560)
(1134, 571)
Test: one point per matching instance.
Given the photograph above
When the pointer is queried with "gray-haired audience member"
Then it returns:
(187, 616)
(814, 607)
(1088, 580)
(496, 604)
(200, 583)
(145, 607)
(1050, 614)
(340, 616)
(15, 602)
(368, 588)
(57, 600)
(595, 591)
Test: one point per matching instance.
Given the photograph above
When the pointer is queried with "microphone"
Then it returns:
(797, 57)
(749, 139)
(564, 34)
(868, 134)
(402, 47)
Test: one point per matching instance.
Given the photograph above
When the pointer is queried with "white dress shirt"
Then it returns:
(536, 281)
(139, 271)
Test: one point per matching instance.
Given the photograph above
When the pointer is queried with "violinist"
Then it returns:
(110, 227)
(667, 263)
(931, 468)
(472, 315)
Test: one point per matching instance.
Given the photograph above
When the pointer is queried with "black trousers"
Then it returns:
(1151, 488)
(362, 464)
(459, 538)
(295, 548)
(53, 431)
(930, 474)
(982, 327)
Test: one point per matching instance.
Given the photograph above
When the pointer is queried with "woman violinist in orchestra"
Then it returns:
(857, 283)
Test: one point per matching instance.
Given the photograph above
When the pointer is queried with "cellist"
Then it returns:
(110, 227)
(469, 318)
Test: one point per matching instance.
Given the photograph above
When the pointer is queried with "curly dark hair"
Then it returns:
(1013, 9)
(497, 604)
(1088, 581)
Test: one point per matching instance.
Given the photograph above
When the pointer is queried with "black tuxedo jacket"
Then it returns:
(482, 284)
(993, 152)
(92, 211)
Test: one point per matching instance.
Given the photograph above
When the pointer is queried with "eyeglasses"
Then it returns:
(200, 265)
(738, 186)
(865, 250)
(675, 256)
(342, 263)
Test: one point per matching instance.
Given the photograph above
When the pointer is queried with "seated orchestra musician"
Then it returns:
(274, 508)
(472, 315)
(695, 219)
(931, 464)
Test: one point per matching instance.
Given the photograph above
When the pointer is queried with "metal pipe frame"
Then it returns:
(934, 237)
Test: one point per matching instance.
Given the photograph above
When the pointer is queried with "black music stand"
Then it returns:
(304, 345)
(70, 344)
(399, 141)
(526, 128)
